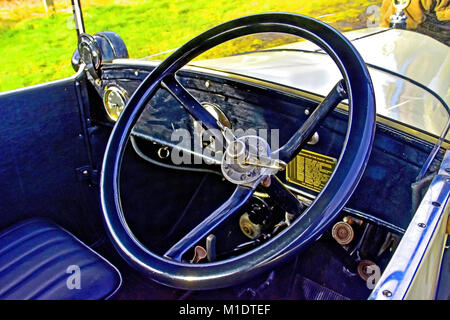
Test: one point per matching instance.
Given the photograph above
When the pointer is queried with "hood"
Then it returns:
(408, 53)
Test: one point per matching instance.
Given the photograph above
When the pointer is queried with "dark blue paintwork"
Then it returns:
(42, 143)
(190, 104)
(300, 138)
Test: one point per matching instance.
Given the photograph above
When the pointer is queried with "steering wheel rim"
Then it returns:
(323, 210)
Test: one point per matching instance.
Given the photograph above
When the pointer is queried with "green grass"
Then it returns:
(39, 50)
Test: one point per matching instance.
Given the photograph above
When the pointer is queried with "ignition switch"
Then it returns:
(256, 218)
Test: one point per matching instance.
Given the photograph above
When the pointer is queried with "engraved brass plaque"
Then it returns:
(310, 170)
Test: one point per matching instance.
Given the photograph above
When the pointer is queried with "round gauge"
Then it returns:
(114, 98)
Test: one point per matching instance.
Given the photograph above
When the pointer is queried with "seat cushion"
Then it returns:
(40, 260)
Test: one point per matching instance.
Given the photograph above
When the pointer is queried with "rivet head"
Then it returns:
(422, 225)
(436, 204)
(307, 112)
(387, 293)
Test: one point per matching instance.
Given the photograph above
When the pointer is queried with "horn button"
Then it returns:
(248, 158)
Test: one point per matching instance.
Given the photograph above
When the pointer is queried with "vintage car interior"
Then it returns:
(351, 202)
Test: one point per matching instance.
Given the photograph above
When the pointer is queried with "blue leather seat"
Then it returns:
(40, 260)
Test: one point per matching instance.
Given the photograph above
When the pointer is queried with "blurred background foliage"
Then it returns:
(36, 46)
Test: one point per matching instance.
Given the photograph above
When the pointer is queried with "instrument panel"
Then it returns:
(395, 161)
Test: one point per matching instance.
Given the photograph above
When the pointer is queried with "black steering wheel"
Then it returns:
(356, 86)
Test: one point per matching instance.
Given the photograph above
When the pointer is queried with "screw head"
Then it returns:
(422, 225)
(387, 293)
(436, 204)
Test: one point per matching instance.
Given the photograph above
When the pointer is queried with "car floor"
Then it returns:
(315, 274)
(185, 197)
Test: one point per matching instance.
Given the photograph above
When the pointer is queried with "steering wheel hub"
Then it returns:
(246, 159)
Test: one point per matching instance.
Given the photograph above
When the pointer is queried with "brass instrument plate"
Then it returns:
(310, 170)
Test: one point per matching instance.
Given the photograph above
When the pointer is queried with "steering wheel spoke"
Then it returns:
(306, 131)
(237, 199)
(189, 102)
(284, 198)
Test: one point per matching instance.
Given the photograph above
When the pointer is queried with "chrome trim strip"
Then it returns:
(78, 17)
(401, 271)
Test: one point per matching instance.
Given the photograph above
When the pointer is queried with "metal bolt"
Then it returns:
(307, 112)
(387, 293)
(266, 182)
(85, 172)
(314, 139)
(207, 83)
(422, 225)
(136, 73)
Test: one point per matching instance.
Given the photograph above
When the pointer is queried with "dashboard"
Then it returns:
(384, 194)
